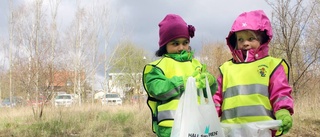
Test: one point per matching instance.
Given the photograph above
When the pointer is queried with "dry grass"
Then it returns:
(84, 121)
(306, 122)
(119, 121)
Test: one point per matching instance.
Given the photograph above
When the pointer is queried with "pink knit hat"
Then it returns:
(172, 27)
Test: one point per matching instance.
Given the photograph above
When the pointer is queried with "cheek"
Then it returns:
(186, 48)
(256, 45)
(170, 49)
(238, 45)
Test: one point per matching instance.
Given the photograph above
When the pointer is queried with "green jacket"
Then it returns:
(164, 81)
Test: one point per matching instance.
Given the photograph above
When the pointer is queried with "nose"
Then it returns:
(246, 43)
(180, 47)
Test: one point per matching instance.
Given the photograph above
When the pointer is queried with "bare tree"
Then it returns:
(54, 4)
(311, 49)
(102, 13)
(84, 39)
(10, 48)
(38, 109)
(37, 54)
(107, 33)
(29, 50)
(3, 69)
(290, 21)
(216, 56)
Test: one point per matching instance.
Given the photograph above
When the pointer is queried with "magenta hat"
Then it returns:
(172, 27)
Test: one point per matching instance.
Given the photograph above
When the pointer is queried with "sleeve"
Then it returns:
(217, 98)
(213, 84)
(280, 91)
(161, 87)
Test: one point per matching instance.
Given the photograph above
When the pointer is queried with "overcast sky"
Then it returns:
(211, 18)
(139, 18)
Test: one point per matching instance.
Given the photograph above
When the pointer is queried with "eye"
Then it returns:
(186, 42)
(252, 38)
(240, 39)
(175, 43)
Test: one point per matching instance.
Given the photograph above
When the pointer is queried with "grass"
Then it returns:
(84, 121)
(122, 121)
(306, 122)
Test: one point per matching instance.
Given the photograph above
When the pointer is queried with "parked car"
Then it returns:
(15, 102)
(111, 99)
(65, 100)
(42, 100)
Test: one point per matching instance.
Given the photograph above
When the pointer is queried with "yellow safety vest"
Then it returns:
(245, 90)
(163, 112)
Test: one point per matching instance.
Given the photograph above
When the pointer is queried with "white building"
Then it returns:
(123, 82)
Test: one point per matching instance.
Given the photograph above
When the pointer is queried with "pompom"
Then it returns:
(191, 29)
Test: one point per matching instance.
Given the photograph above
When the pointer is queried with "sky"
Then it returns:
(211, 18)
(139, 19)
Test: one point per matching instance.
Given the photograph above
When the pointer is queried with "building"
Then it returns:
(125, 83)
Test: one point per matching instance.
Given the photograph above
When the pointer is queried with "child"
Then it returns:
(253, 86)
(165, 79)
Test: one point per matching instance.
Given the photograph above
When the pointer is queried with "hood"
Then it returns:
(252, 20)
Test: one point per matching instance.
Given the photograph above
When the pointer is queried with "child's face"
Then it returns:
(178, 45)
(246, 40)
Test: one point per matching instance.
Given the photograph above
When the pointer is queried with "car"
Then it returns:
(111, 99)
(65, 100)
(42, 100)
(15, 102)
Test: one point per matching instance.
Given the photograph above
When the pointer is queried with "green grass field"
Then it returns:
(119, 121)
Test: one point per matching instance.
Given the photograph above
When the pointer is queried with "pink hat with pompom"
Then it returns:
(172, 27)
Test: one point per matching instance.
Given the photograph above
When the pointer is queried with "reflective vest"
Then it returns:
(245, 90)
(163, 111)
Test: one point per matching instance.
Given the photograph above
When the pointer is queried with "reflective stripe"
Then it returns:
(164, 110)
(246, 97)
(281, 98)
(246, 100)
(171, 92)
(166, 115)
(245, 111)
(171, 99)
(246, 90)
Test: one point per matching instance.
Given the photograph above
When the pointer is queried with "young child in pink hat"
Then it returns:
(253, 86)
(165, 79)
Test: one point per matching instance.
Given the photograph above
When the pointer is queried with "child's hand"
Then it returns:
(197, 72)
(286, 118)
(200, 83)
(200, 78)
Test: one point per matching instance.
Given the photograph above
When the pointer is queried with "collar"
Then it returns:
(183, 56)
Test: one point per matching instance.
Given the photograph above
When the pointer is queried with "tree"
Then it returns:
(28, 51)
(291, 22)
(54, 4)
(83, 40)
(38, 50)
(216, 56)
(129, 60)
(312, 40)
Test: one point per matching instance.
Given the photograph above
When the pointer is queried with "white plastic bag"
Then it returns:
(253, 129)
(193, 119)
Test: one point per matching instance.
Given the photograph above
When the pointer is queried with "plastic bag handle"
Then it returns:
(209, 95)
